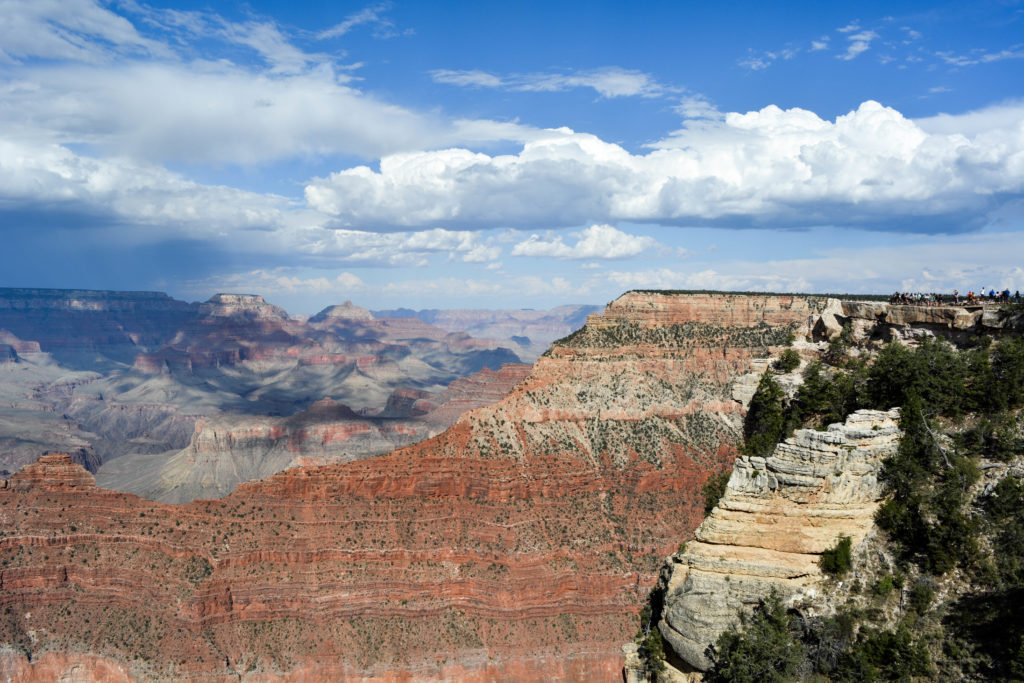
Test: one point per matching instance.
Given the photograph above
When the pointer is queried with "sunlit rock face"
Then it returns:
(768, 531)
(518, 544)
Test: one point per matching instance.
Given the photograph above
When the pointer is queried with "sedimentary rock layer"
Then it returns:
(777, 516)
(523, 536)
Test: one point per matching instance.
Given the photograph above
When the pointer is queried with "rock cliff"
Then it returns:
(768, 531)
(518, 543)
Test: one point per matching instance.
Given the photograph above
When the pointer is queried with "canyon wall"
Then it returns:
(518, 543)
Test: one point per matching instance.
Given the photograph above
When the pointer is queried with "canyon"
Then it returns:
(174, 400)
(517, 543)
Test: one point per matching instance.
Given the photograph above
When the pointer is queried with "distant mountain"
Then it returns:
(531, 331)
(107, 375)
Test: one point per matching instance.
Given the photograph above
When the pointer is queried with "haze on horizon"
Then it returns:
(509, 155)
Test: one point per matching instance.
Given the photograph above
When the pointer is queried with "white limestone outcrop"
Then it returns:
(777, 516)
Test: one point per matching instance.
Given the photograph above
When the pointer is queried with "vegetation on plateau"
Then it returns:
(948, 606)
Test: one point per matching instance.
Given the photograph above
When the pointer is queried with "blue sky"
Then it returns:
(524, 154)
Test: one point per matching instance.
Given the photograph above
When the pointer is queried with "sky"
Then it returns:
(510, 155)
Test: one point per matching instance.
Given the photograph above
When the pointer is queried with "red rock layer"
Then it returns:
(516, 545)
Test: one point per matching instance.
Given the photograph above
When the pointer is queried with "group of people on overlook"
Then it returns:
(954, 299)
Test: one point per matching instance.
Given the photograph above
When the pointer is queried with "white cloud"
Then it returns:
(771, 168)
(666, 278)
(1004, 116)
(470, 78)
(980, 56)
(482, 254)
(697, 106)
(859, 43)
(936, 264)
(398, 249)
(220, 113)
(609, 81)
(267, 40)
(373, 15)
(67, 29)
(820, 44)
(597, 241)
(850, 28)
(275, 281)
(758, 62)
(159, 203)
(144, 203)
(181, 100)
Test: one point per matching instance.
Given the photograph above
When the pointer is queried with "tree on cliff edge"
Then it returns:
(765, 423)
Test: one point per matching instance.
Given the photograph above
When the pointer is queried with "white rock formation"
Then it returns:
(777, 516)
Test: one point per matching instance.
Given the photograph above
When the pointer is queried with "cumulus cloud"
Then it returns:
(145, 203)
(772, 168)
(597, 241)
(609, 81)
(397, 249)
(159, 203)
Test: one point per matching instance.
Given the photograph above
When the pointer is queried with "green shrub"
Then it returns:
(714, 489)
(787, 362)
(765, 650)
(197, 568)
(921, 595)
(765, 423)
(995, 437)
(839, 559)
(885, 655)
(648, 637)
(825, 397)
